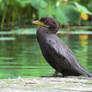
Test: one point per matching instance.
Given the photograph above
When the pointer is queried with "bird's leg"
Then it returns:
(55, 74)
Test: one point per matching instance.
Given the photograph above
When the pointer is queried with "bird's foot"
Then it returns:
(46, 76)
(56, 74)
(53, 76)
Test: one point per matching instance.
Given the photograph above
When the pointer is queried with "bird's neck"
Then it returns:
(43, 34)
(47, 30)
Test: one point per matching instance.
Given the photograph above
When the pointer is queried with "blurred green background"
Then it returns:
(18, 13)
(20, 54)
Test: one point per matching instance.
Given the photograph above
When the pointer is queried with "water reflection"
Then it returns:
(22, 56)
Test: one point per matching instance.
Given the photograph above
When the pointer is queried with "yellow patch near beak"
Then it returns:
(39, 23)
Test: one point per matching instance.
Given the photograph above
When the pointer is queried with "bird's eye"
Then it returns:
(54, 23)
(46, 22)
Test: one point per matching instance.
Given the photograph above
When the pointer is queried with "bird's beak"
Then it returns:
(39, 23)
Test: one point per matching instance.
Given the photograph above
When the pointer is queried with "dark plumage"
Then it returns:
(56, 53)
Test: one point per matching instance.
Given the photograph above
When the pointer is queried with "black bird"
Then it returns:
(56, 53)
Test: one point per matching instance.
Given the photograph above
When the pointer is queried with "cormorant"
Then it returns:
(56, 53)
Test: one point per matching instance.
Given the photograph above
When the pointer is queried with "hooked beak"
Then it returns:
(39, 23)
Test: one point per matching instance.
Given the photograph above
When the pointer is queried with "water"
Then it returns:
(21, 56)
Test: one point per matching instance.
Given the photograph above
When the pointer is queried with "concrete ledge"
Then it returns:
(70, 84)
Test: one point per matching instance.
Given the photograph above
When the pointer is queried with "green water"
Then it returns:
(21, 56)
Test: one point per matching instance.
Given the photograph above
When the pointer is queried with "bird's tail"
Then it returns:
(85, 73)
(89, 75)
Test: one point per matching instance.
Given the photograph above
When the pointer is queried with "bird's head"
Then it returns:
(50, 23)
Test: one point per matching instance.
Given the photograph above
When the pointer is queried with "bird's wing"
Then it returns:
(63, 55)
